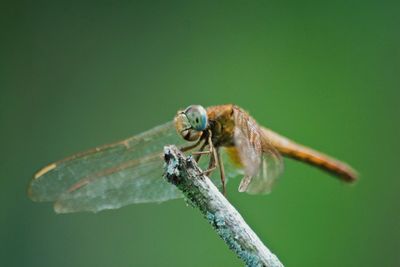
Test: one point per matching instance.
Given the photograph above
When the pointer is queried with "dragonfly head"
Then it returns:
(191, 122)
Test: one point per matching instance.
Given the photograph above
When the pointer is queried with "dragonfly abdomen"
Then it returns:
(299, 152)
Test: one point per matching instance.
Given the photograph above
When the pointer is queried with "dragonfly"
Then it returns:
(130, 171)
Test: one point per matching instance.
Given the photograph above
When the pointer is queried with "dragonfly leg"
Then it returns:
(190, 147)
(207, 137)
(199, 153)
(209, 171)
(204, 152)
(221, 171)
(213, 163)
(211, 167)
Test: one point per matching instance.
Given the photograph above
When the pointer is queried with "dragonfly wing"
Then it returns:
(261, 161)
(110, 176)
(138, 182)
(270, 169)
(249, 151)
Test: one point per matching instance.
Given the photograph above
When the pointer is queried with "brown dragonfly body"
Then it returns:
(247, 144)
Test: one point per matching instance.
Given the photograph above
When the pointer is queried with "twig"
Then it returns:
(202, 193)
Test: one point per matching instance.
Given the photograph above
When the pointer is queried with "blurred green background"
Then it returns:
(324, 73)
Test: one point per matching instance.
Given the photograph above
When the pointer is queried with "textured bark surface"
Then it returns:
(201, 193)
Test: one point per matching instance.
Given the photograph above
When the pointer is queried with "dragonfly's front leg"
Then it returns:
(213, 163)
(215, 160)
(201, 151)
(190, 147)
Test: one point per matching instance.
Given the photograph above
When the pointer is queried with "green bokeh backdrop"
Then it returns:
(77, 75)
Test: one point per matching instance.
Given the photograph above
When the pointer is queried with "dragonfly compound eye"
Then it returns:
(197, 117)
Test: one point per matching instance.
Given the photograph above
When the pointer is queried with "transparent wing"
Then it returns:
(270, 169)
(136, 181)
(111, 176)
(262, 163)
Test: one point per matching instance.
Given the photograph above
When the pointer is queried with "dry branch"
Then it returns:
(183, 172)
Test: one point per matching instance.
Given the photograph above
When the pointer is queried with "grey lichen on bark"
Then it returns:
(200, 192)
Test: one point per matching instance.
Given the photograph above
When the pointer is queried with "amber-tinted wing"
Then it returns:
(111, 176)
(261, 161)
